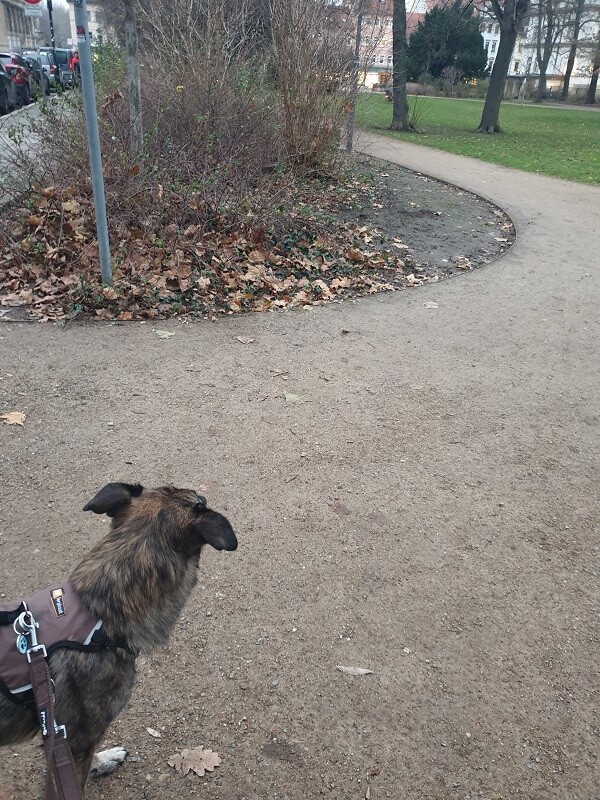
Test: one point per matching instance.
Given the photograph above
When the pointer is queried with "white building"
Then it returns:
(524, 66)
(17, 32)
(94, 23)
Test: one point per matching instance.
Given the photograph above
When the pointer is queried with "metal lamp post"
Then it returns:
(91, 123)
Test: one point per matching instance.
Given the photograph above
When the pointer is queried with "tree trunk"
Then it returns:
(400, 121)
(541, 91)
(133, 77)
(354, 83)
(573, 50)
(553, 16)
(590, 97)
(510, 18)
(491, 110)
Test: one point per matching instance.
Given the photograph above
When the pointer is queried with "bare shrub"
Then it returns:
(452, 76)
(207, 146)
(226, 112)
(312, 64)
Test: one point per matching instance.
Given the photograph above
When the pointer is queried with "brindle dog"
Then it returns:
(137, 580)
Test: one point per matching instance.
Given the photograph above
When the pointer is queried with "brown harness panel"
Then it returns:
(63, 622)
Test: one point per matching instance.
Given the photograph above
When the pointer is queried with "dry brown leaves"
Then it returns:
(49, 265)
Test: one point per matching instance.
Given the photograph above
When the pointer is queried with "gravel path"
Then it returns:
(428, 510)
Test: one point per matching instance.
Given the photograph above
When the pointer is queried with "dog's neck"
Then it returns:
(138, 598)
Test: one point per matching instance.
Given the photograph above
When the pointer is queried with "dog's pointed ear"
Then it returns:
(216, 530)
(114, 497)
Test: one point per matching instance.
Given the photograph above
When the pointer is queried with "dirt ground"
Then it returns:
(425, 508)
(448, 229)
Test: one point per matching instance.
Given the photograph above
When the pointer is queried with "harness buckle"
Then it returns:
(35, 649)
(60, 730)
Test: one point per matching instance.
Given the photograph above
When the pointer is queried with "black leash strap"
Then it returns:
(61, 779)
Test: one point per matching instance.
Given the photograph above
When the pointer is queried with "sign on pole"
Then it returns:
(33, 8)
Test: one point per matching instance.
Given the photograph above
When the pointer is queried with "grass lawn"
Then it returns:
(551, 141)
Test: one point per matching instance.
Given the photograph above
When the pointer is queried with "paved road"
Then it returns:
(431, 512)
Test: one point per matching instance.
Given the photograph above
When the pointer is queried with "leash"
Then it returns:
(61, 779)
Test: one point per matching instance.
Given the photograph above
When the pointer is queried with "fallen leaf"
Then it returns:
(244, 339)
(72, 207)
(340, 508)
(154, 733)
(296, 399)
(163, 334)
(355, 670)
(197, 760)
(353, 254)
(430, 304)
(14, 418)
(257, 256)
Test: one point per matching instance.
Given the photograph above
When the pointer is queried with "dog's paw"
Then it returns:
(106, 761)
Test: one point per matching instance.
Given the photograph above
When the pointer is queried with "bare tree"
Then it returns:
(551, 19)
(577, 9)
(134, 86)
(400, 117)
(510, 14)
(590, 97)
(354, 79)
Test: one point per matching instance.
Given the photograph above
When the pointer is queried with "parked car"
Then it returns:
(41, 79)
(67, 76)
(62, 60)
(48, 65)
(8, 91)
(22, 76)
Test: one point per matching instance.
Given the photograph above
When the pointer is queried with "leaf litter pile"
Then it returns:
(318, 245)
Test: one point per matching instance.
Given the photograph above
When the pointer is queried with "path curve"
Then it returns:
(430, 512)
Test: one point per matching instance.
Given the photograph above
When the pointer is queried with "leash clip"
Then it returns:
(25, 626)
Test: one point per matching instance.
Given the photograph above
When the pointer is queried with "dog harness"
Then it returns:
(61, 623)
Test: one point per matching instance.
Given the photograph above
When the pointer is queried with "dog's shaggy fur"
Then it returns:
(137, 580)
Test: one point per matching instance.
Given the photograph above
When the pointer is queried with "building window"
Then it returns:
(382, 59)
(490, 27)
(497, 29)
(493, 47)
(516, 69)
(490, 63)
(486, 44)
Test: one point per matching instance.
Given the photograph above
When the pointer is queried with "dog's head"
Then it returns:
(180, 515)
